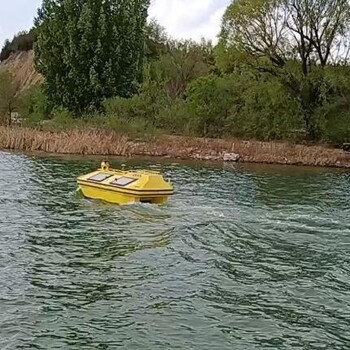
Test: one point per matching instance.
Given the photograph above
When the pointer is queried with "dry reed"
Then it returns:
(93, 142)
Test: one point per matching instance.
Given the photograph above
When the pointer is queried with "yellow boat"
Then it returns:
(125, 186)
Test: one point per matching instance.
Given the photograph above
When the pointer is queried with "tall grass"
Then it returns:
(95, 142)
(65, 142)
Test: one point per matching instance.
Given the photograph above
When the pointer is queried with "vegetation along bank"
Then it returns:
(89, 72)
(94, 142)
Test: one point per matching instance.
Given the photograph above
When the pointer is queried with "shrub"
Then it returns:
(34, 106)
(210, 100)
(175, 118)
(8, 96)
(126, 108)
(334, 121)
(241, 105)
(62, 117)
(265, 112)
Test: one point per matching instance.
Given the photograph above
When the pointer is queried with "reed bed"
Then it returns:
(95, 142)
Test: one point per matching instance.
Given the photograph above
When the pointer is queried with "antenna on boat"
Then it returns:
(105, 165)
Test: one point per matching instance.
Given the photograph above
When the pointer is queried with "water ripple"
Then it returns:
(243, 257)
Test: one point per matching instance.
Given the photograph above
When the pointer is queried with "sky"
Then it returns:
(186, 19)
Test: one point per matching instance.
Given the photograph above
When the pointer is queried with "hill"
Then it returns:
(21, 65)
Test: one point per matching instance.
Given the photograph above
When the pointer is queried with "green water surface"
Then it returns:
(242, 257)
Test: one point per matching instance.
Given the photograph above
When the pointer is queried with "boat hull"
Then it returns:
(124, 187)
(115, 197)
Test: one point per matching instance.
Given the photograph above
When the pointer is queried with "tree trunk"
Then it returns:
(310, 93)
(311, 129)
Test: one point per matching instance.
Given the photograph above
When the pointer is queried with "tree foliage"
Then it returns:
(156, 42)
(279, 72)
(293, 40)
(90, 50)
(8, 96)
(183, 62)
(23, 41)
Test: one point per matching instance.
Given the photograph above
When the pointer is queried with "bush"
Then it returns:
(145, 107)
(135, 126)
(61, 117)
(265, 112)
(126, 108)
(34, 106)
(210, 100)
(333, 117)
(334, 121)
(8, 96)
(241, 105)
(175, 118)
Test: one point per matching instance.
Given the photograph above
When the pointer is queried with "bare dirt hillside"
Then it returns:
(21, 65)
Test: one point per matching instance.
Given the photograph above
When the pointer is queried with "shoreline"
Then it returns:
(103, 143)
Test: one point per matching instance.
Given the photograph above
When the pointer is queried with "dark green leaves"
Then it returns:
(90, 50)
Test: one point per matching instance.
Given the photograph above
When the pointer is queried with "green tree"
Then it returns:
(8, 96)
(5, 51)
(22, 41)
(89, 50)
(174, 70)
(293, 40)
(33, 105)
(210, 100)
(157, 40)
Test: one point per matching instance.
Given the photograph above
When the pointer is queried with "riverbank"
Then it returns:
(94, 142)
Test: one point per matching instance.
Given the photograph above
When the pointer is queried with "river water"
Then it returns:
(242, 257)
